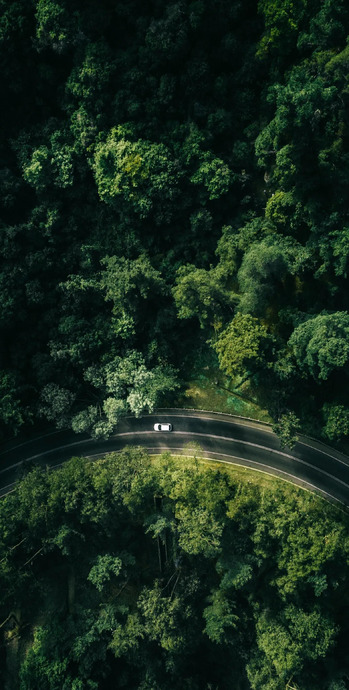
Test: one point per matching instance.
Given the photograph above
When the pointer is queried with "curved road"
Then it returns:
(221, 437)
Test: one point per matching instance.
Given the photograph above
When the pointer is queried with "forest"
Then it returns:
(167, 574)
(174, 188)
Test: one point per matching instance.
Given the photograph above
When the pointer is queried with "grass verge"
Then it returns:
(242, 474)
(210, 390)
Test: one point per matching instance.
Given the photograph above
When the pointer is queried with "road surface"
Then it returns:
(221, 438)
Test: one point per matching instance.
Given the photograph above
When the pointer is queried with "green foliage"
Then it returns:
(289, 640)
(105, 567)
(55, 403)
(122, 385)
(219, 618)
(198, 532)
(127, 635)
(251, 577)
(38, 171)
(11, 415)
(214, 175)
(281, 209)
(286, 429)
(202, 294)
(140, 172)
(320, 344)
(264, 273)
(89, 78)
(161, 619)
(162, 163)
(282, 20)
(336, 419)
(37, 668)
(240, 345)
(55, 25)
(129, 284)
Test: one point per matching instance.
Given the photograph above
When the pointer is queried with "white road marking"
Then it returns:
(246, 424)
(241, 462)
(267, 431)
(184, 433)
(246, 443)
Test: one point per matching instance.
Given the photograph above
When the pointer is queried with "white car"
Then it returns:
(162, 427)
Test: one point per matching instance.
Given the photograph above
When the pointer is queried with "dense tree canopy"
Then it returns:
(128, 573)
(173, 182)
(166, 171)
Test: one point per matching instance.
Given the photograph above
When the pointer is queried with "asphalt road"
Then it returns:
(221, 437)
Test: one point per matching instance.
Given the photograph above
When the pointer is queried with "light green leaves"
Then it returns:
(123, 385)
(106, 567)
(202, 294)
(240, 345)
(51, 164)
(292, 638)
(199, 532)
(220, 618)
(140, 172)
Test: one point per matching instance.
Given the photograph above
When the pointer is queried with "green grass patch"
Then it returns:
(210, 390)
(239, 473)
(207, 388)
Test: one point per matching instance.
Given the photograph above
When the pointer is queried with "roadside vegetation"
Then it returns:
(174, 230)
(157, 574)
(173, 184)
(207, 387)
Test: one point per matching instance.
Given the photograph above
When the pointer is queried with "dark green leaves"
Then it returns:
(253, 577)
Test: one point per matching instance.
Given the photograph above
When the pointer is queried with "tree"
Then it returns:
(161, 617)
(336, 419)
(240, 345)
(214, 175)
(320, 344)
(55, 404)
(286, 429)
(11, 415)
(255, 577)
(89, 78)
(106, 567)
(140, 172)
(290, 640)
(282, 20)
(220, 617)
(201, 294)
(52, 674)
(56, 27)
(198, 531)
(122, 385)
(283, 210)
(130, 284)
(127, 635)
(264, 270)
(51, 165)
